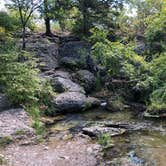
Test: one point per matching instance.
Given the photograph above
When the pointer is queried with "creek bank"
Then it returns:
(74, 84)
(54, 153)
(71, 94)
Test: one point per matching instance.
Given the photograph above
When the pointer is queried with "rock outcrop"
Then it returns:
(46, 50)
(86, 79)
(63, 84)
(73, 101)
(14, 121)
(76, 55)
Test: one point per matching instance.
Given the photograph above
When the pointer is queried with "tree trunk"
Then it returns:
(85, 18)
(47, 19)
(48, 27)
(23, 39)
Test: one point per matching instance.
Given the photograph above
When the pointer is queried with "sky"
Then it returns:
(2, 5)
(129, 12)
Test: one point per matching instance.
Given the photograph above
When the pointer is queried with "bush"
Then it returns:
(23, 86)
(158, 101)
(120, 60)
(21, 79)
(6, 21)
(155, 33)
(104, 139)
(154, 84)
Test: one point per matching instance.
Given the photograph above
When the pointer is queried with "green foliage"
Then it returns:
(11, 22)
(36, 113)
(5, 141)
(2, 160)
(117, 104)
(104, 139)
(156, 32)
(6, 21)
(23, 86)
(154, 85)
(158, 100)
(20, 79)
(98, 35)
(96, 12)
(119, 59)
(7, 43)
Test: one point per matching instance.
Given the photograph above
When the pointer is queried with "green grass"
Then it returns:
(104, 139)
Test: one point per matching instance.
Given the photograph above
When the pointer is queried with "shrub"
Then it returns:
(5, 141)
(155, 33)
(154, 84)
(24, 87)
(158, 100)
(21, 79)
(104, 139)
(120, 60)
(5, 21)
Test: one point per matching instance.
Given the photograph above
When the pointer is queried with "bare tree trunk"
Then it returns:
(47, 19)
(85, 19)
(48, 27)
(23, 39)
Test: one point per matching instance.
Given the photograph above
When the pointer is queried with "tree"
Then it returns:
(56, 10)
(96, 12)
(47, 8)
(63, 12)
(25, 9)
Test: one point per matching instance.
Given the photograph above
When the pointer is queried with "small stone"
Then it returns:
(67, 137)
(65, 157)
(46, 148)
(90, 150)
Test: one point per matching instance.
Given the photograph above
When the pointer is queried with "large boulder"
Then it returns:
(4, 103)
(46, 51)
(86, 79)
(93, 102)
(76, 54)
(60, 85)
(70, 101)
(71, 63)
(140, 48)
(73, 101)
(47, 62)
(62, 74)
(74, 49)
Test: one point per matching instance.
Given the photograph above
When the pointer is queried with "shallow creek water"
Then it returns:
(143, 147)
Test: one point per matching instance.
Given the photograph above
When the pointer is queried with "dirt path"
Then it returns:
(76, 152)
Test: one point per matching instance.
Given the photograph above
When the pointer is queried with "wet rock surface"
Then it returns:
(97, 130)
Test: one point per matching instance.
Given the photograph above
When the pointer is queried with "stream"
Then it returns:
(146, 146)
